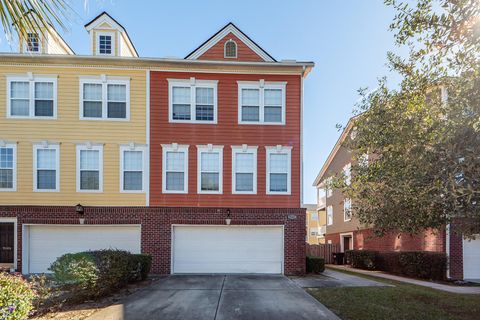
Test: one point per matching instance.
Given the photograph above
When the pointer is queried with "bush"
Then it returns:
(16, 297)
(362, 259)
(315, 265)
(96, 273)
(417, 264)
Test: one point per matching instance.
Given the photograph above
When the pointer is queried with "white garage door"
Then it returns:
(471, 259)
(46, 243)
(227, 249)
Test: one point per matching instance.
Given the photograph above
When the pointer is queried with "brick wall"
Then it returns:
(455, 254)
(156, 226)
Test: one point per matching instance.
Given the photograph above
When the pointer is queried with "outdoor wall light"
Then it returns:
(80, 211)
(229, 219)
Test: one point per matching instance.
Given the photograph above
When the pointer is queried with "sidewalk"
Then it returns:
(433, 285)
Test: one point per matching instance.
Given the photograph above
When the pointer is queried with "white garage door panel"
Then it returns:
(227, 249)
(471, 259)
(46, 243)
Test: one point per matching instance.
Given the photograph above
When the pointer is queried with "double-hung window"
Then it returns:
(192, 100)
(46, 171)
(175, 168)
(210, 169)
(32, 96)
(244, 169)
(279, 169)
(261, 102)
(8, 167)
(347, 209)
(105, 43)
(103, 98)
(329, 215)
(132, 168)
(89, 168)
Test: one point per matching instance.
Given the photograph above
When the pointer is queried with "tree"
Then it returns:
(23, 16)
(424, 137)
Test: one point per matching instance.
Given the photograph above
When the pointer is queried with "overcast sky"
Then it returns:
(347, 40)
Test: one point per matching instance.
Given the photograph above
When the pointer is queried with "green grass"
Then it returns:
(404, 301)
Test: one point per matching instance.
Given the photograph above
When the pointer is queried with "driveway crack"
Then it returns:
(219, 297)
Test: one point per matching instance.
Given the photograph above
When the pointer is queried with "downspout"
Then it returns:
(301, 135)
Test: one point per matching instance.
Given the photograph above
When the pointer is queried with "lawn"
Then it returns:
(404, 301)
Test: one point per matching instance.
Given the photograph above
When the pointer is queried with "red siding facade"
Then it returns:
(244, 53)
(226, 132)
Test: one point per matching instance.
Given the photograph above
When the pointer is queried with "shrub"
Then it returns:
(362, 259)
(96, 273)
(417, 264)
(315, 265)
(16, 297)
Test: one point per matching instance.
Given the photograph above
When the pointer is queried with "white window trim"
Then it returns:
(328, 190)
(192, 83)
(31, 79)
(99, 148)
(105, 80)
(111, 34)
(213, 149)
(327, 212)
(244, 149)
(345, 201)
(225, 49)
(261, 86)
(174, 147)
(279, 150)
(14, 174)
(133, 147)
(46, 145)
(346, 235)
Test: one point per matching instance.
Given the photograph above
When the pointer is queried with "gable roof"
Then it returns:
(105, 17)
(334, 151)
(60, 40)
(230, 28)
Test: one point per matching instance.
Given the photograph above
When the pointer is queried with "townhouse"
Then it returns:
(196, 161)
(344, 229)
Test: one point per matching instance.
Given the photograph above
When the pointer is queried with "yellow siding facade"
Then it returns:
(69, 131)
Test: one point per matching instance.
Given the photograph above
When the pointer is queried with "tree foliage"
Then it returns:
(423, 138)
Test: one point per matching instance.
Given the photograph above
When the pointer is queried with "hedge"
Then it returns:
(315, 265)
(415, 264)
(16, 297)
(96, 273)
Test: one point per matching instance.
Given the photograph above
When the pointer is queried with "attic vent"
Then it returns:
(230, 49)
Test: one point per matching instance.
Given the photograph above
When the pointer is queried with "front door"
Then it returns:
(347, 243)
(6, 242)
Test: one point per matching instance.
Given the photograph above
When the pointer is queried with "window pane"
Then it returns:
(117, 92)
(105, 44)
(210, 182)
(92, 109)
(89, 160)
(244, 182)
(92, 91)
(46, 159)
(250, 114)
(46, 179)
(175, 161)
(6, 158)
(19, 90)
(250, 97)
(133, 160)
(6, 178)
(244, 162)
(273, 114)
(89, 180)
(20, 108)
(181, 112)
(44, 90)
(132, 180)
(32, 42)
(278, 182)
(175, 181)
(181, 95)
(230, 49)
(117, 110)
(204, 112)
(44, 108)
(273, 97)
(204, 95)
(278, 163)
(210, 161)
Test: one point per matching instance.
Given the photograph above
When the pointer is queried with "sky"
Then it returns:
(348, 40)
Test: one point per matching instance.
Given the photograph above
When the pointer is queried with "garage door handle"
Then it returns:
(6, 248)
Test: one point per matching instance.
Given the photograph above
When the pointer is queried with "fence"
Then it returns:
(323, 251)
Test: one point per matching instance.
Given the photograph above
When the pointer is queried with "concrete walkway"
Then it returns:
(332, 279)
(433, 285)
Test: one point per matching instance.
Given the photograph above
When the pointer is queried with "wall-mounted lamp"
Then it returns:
(80, 211)
(229, 219)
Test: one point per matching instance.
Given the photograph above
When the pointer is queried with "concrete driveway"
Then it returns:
(221, 297)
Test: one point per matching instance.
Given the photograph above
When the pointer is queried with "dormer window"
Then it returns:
(33, 43)
(105, 44)
(230, 49)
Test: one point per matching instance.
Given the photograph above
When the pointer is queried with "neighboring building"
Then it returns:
(344, 229)
(196, 161)
(315, 224)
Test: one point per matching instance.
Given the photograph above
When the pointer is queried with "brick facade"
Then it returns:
(156, 225)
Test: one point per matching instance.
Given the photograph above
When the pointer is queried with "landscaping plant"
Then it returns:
(315, 265)
(16, 297)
